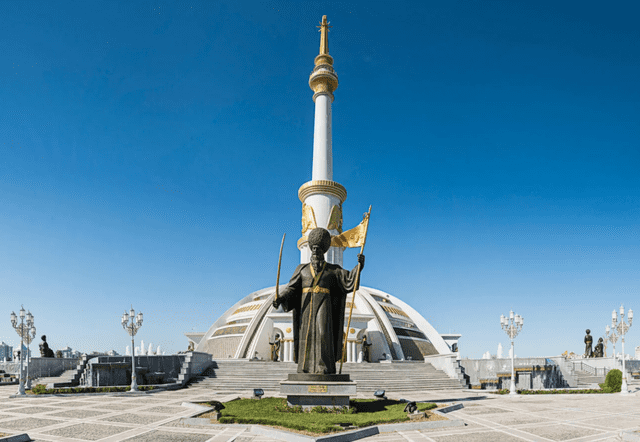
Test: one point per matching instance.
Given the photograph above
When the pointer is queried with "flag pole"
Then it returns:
(356, 286)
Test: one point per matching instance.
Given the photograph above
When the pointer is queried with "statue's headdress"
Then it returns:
(320, 237)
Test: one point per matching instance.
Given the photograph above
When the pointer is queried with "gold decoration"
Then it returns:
(235, 330)
(324, 36)
(352, 330)
(335, 219)
(317, 389)
(354, 237)
(323, 187)
(395, 311)
(247, 308)
(316, 289)
(323, 80)
(288, 330)
(308, 218)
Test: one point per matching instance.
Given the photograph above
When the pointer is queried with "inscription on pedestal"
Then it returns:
(317, 389)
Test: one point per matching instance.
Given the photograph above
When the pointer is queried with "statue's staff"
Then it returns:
(279, 264)
(356, 286)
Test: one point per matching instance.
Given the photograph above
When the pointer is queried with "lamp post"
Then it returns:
(512, 326)
(622, 328)
(612, 337)
(132, 328)
(20, 329)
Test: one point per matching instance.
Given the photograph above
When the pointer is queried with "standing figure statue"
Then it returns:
(366, 353)
(588, 340)
(45, 351)
(275, 348)
(316, 294)
(599, 350)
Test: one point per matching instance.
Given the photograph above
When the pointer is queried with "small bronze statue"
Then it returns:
(191, 346)
(599, 350)
(366, 353)
(588, 340)
(275, 348)
(45, 351)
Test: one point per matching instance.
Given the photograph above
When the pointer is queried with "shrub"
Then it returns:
(39, 389)
(613, 382)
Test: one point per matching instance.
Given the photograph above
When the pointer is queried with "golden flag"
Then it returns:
(352, 238)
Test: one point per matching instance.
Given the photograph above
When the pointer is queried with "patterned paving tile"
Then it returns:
(87, 431)
(490, 436)
(115, 406)
(166, 436)
(32, 410)
(28, 423)
(137, 418)
(166, 410)
(560, 432)
(78, 414)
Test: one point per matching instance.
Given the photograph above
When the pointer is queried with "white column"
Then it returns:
(322, 155)
(291, 351)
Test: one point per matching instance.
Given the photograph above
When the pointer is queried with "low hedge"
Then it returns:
(555, 391)
(42, 389)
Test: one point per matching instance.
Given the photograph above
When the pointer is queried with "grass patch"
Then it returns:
(275, 412)
(42, 389)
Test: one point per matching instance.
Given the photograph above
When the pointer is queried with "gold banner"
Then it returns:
(353, 237)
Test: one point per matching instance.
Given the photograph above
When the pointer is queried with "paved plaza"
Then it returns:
(157, 417)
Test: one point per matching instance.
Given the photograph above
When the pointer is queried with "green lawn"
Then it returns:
(274, 412)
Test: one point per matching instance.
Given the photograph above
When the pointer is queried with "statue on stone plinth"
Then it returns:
(45, 351)
(366, 353)
(275, 348)
(316, 294)
(599, 350)
(588, 340)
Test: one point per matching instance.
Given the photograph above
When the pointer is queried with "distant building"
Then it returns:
(113, 353)
(6, 351)
(69, 353)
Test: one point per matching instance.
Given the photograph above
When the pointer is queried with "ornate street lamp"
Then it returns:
(132, 328)
(512, 326)
(622, 328)
(30, 333)
(612, 337)
(21, 330)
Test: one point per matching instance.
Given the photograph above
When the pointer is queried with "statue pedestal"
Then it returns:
(312, 390)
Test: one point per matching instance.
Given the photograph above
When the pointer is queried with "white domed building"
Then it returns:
(394, 330)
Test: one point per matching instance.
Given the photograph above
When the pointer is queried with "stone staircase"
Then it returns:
(587, 380)
(66, 379)
(243, 375)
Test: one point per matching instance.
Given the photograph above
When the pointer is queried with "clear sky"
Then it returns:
(151, 154)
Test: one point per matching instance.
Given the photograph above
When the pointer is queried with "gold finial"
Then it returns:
(324, 40)
(323, 79)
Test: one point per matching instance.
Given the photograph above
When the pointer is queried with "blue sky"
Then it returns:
(151, 154)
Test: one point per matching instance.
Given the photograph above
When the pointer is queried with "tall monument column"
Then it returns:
(322, 197)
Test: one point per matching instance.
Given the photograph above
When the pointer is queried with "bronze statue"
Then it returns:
(45, 351)
(316, 294)
(599, 350)
(275, 348)
(366, 354)
(191, 346)
(588, 340)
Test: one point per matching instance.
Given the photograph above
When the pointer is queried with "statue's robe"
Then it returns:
(318, 315)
